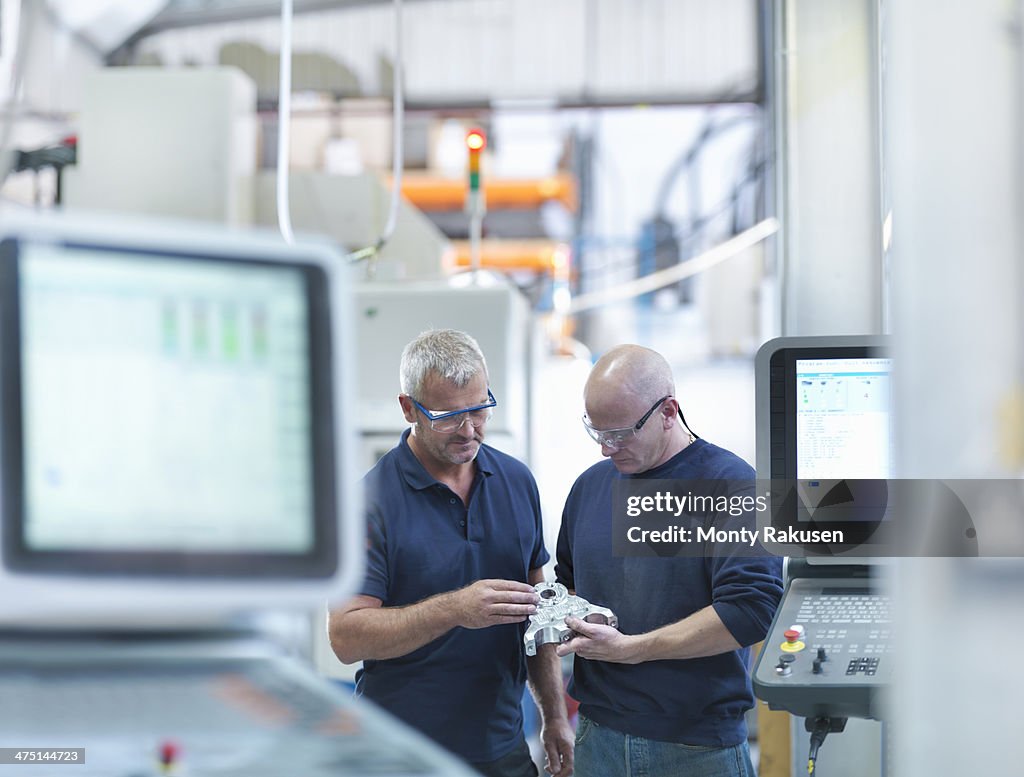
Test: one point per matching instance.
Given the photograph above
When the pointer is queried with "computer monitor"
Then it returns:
(173, 420)
(825, 445)
(824, 437)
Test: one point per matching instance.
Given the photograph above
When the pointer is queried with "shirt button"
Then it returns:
(462, 523)
(451, 501)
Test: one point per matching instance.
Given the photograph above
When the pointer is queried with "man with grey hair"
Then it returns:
(455, 544)
(664, 693)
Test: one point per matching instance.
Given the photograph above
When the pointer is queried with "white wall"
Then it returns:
(829, 168)
(831, 251)
(953, 123)
(56, 64)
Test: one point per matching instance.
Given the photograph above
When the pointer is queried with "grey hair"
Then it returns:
(447, 353)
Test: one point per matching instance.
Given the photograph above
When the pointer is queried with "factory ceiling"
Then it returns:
(573, 53)
(190, 13)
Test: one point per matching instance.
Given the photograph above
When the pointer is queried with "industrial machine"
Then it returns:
(494, 312)
(829, 651)
(823, 416)
(177, 469)
(197, 704)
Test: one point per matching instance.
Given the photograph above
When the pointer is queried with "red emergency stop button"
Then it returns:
(792, 643)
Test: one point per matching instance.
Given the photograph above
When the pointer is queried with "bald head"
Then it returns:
(625, 387)
(630, 371)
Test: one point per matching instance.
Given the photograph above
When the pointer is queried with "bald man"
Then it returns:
(666, 692)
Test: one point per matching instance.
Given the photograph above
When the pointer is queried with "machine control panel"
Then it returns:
(829, 649)
(196, 707)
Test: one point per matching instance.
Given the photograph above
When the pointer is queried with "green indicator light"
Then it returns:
(169, 327)
(200, 329)
(260, 346)
(230, 333)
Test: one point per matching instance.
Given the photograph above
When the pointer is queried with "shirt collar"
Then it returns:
(416, 475)
(663, 469)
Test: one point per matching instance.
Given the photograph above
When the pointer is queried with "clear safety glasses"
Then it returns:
(452, 420)
(616, 438)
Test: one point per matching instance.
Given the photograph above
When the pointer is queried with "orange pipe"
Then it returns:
(538, 255)
(429, 192)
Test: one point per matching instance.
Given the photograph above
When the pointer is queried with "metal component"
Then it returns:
(547, 625)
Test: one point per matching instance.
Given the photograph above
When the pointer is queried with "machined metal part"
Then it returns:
(547, 625)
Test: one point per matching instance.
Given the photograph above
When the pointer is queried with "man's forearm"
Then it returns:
(544, 673)
(364, 629)
(701, 634)
(389, 632)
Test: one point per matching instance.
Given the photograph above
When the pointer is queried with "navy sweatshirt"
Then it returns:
(698, 701)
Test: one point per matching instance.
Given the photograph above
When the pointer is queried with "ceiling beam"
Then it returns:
(175, 17)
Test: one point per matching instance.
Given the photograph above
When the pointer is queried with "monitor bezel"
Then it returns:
(320, 561)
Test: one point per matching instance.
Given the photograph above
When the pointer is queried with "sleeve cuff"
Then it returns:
(743, 629)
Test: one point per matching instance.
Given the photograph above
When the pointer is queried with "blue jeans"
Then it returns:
(605, 752)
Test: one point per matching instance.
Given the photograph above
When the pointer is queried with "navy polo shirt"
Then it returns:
(697, 701)
(465, 688)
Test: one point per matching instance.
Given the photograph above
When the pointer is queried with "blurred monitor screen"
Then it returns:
(165, 413)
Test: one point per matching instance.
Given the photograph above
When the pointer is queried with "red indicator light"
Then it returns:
(476, 140)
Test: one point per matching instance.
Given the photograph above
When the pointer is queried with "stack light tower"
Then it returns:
(476, 207)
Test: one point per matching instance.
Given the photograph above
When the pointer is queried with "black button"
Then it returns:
(451, 501)
(462, 523)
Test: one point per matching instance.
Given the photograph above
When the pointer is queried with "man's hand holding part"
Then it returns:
(599, 642)
(492, 603)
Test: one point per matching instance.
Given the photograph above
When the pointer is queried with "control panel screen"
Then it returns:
(843, 424)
